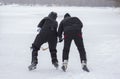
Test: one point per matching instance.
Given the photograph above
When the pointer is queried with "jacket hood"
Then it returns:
(53, 15)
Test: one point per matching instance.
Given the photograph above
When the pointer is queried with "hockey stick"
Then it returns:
(44, 48)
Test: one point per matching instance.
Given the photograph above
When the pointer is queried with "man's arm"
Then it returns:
(41, 23)
(60, 30)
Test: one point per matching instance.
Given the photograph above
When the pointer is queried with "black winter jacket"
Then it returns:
(48, 24)
(69, 24)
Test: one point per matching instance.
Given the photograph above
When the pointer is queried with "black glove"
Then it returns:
(60, 39)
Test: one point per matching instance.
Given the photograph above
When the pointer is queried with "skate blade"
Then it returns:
(56, 66)
(86, 69)
(63, 68)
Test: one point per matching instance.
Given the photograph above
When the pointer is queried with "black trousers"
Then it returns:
(77, 37)
(43, 37)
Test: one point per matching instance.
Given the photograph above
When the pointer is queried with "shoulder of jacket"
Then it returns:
(75, 18)
(46, 18)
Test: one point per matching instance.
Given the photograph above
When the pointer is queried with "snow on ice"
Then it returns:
(101, 33)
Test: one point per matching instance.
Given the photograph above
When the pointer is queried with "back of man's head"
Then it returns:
(53, 15)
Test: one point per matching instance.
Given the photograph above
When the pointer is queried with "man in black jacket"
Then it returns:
(48, 33)
(71, 26)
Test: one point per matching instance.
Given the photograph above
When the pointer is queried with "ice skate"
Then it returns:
(32, 67)
(84, 67)
(64, 67)
(55, 65)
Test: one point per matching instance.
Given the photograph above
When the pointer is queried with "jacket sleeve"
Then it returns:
(60, 30)
(80, 22)
(56, 26)
(41, 23)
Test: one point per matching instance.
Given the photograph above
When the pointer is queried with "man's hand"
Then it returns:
(60, 39)
(38, 30)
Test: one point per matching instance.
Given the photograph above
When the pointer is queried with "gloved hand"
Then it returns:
(38, 30)
(60, 39)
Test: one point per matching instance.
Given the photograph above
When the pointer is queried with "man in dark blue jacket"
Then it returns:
(72, 26)
(48, 33)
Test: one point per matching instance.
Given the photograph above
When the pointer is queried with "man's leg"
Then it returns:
(79, 43)
(34, 60)
(53, 52)
(65, 56)
(35, 47)
(66, 49)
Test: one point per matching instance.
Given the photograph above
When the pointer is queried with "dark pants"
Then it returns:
(77, 37)
(42, 38)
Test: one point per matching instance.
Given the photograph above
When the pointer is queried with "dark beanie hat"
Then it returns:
(67, 15)
(53, 15)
